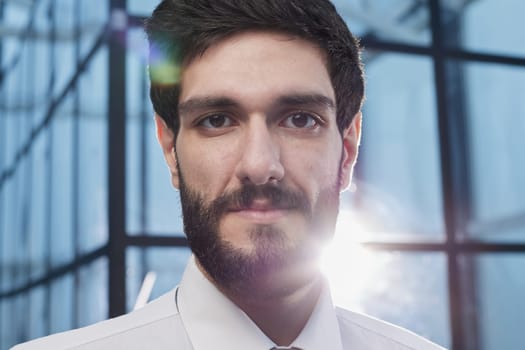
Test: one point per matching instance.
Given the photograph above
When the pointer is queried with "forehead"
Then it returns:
(257, 65)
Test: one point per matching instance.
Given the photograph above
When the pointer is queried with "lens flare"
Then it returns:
(349, 267)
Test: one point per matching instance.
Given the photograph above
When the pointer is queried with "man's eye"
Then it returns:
(301, 121)
(216, 121)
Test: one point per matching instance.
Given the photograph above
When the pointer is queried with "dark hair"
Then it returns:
(180, 30)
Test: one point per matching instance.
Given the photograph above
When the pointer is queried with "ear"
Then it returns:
(351, 140)
(166, 139)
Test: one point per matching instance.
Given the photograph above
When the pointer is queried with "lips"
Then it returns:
(260, 210)
(261, 216)
(260, 205)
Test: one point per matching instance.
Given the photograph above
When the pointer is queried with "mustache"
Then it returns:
(277, 196)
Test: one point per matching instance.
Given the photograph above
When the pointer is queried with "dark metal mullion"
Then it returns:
(136, 21)
(148, 239)
(117, 161)
(459, 54)
(145, 240)
(464, 247)
(448, 185)
(485, 57)
(458, 113)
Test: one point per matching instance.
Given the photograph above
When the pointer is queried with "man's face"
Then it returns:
(258, 158)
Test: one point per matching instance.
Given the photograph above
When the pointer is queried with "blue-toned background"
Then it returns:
(431, 234)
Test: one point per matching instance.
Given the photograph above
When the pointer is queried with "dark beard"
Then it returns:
(230, 267)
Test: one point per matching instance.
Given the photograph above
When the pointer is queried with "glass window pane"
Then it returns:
(61, 138)
(153, 205)
(496, 124)
(407, 289)
(15, 17)
(64, 48)
(492, 26)
(39, 204)
(398, 20)
(163, 212)
(13, 321)
(5, 341)
(41, 72)
(496, 291)
(92, 298)
(14, 134)
(93, 152)
(166, 263)
(38, 322)
(141, 7)
(20, 318)
(397, 191)
(62, 303)
(14, 244)
(6, 260)
(6, 334)
(93, 18)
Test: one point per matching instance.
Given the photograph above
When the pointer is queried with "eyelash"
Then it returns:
(209, 117)
(231, 121)
(312, 118)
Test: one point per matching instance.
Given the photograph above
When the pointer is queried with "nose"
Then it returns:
(260, 161)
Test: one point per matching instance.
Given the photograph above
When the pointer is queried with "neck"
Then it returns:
(281, 303)
(282, 318)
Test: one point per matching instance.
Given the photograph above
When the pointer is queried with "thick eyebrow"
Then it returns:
(197, 104)
(314, 100)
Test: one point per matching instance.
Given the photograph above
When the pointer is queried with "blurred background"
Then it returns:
(431, 234)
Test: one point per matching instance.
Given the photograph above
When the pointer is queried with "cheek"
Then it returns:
(314, 169)
(205, 168)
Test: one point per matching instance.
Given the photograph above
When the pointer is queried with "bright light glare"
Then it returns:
(350, 268)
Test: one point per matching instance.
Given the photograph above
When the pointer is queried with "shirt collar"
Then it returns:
(212, 321)
(322, 329)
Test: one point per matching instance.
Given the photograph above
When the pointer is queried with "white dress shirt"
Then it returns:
(197, 316)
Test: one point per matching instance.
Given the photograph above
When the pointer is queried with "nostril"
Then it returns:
(260, 171)
(260, 161)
